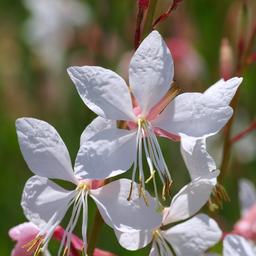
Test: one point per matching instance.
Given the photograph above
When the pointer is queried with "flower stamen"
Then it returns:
(37, 241)
(163, 246)
(219, 195)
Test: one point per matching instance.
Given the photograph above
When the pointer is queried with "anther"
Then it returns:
(219, 194)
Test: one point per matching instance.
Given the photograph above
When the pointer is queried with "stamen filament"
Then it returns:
(166, 249)
(84, 222)
(135, 164)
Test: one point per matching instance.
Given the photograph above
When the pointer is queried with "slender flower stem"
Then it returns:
(243, 133)
(241, 67)
(150, 16)
(166, 14)
(138, 28)
(97, 224)
(227, 144)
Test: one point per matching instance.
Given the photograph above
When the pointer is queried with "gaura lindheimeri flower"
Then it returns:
(147, 106)
(45, 203)
(25, 232)
(192, 237)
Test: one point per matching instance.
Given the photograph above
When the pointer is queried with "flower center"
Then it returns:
(79, 204)
(146, 139)
(83, 186)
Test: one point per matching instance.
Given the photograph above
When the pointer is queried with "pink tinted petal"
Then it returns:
(97, 184)
(246, 226)
(23, 230)
(132, 125)
(20, 251)
(137, 110)
(99, 252)
(23, 234)
(165, 134)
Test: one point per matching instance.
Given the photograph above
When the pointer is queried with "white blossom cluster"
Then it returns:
(130, 117)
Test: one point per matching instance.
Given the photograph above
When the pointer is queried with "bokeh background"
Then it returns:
(40, 39)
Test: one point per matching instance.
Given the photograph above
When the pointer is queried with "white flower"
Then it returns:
(45, 203)
(235, 245)
(192, 237)
(51, 26)
(189, 116)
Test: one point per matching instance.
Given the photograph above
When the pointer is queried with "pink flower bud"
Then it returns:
(226, 59)
(246, 226)
(144, 4)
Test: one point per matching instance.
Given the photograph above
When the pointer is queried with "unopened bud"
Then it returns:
(226, 59)
(144, 4)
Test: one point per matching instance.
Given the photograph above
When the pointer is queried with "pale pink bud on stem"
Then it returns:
(226, 59)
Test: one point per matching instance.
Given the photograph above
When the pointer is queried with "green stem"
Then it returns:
(97, 224)
(242, 64)
(227, 142)
(150, 16)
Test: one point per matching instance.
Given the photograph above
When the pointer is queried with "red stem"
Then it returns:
(142, 7)
(138, 28)
(166, 14)
(243, 133)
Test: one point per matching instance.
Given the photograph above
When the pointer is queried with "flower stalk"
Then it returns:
(150, 17)
(243, 133)
(243, 54)
(97, 224)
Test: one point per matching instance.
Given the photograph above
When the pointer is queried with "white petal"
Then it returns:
(97, 125)
(134, 240)
(189, 200)
(247, 195)
(41, 199)
(198, 115)
(194, 236)
(224, 90)
(122, 214)
(107, 154)
(103, 91)
(237, 246)
(198, 162)
(44, 150)
(151, 71)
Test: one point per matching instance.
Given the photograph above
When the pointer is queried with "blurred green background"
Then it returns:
(36, 87)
